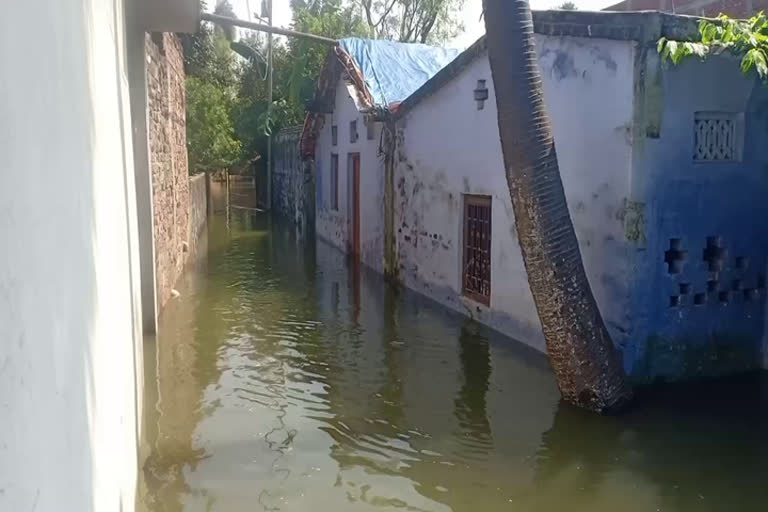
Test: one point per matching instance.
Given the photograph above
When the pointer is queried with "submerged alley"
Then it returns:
(285, 380)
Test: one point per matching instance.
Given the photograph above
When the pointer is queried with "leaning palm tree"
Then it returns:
(586, 364)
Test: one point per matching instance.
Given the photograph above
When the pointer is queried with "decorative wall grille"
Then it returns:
(477, 248)
(717, 137)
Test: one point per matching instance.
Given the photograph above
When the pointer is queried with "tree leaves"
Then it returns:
(745, 38)
(211, 142)
(755, 57)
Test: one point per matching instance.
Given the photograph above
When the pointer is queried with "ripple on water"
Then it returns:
(281, 383)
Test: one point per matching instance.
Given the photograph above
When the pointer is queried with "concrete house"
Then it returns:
(664, 174)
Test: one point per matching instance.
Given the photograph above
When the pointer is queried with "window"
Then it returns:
(353, 131)
(717, 136)
(334, 135)
(334, 181)
(476, 278)
(370, 128)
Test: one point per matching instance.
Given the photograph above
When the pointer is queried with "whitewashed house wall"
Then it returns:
(70, 310)
(450, 148)
(332, 225)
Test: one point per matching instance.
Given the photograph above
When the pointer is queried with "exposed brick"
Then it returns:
(168, 153)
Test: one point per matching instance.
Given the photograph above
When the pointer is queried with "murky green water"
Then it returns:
(282, 382)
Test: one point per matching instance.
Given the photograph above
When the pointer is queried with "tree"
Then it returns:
(212, 76)
(224, 8)
(207, 56)
(296, 66)
(331, 18)
(567, 6)
(585, 362)
(423, 21)
(747, 39)
(211, 142)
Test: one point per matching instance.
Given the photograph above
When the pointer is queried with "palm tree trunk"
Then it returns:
(587, 366)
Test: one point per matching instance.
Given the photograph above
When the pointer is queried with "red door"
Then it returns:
(354, 202)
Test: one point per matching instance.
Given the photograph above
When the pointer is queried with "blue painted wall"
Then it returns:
(691, 201)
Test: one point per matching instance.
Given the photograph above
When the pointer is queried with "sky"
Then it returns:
(474, 27)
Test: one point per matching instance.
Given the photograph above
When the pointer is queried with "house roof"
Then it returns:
(391, 70)
(382, 72)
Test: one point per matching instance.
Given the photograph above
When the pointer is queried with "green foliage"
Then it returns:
(228, 119)
(747, 39)
(567, 6)
(211, 142)
(296, 66)
(304, 59)
(224, 8)
(212, 77)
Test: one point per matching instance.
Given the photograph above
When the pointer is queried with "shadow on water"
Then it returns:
(281, 382)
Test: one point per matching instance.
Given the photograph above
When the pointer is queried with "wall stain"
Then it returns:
(605, 58)
(563, 66)
(634, 221)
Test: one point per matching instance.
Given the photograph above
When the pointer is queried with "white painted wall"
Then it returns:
(450, 148)
(69, 268)
(330, 224)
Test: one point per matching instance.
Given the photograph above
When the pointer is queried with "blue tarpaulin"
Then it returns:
(393, 71)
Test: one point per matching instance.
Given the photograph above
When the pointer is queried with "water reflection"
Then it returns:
(283, 382)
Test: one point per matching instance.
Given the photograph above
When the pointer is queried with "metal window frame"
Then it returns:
(484, 202)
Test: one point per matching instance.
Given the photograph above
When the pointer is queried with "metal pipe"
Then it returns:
(224, 20)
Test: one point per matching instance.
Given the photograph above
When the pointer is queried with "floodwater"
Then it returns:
(282, 381)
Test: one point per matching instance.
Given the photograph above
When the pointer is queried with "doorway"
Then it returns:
(353, 202)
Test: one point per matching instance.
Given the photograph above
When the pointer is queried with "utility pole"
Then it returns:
(269, 107)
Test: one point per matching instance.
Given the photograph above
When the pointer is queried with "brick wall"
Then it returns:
(168, 158)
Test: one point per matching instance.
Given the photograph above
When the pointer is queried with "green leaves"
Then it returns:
(755, 57)
(228, 121)
(678, 50)
(211, 142)
(745, 38)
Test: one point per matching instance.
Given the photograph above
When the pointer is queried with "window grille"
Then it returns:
(717, 137)
(477, 248)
